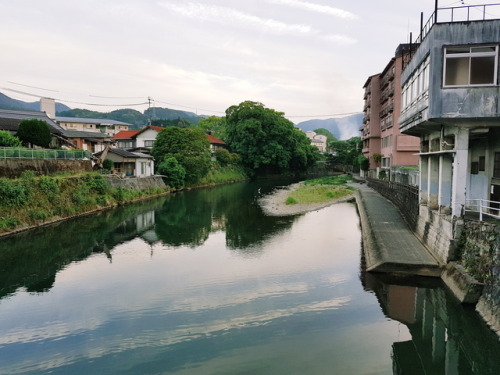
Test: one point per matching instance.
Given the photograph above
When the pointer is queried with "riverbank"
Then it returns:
(276, 204)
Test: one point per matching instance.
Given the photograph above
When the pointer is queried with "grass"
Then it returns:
(320, 190)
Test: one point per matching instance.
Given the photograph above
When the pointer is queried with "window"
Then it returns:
(467, 66)
(148, 143)
(496, 165)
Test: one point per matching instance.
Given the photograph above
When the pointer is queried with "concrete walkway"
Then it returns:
(389, 245)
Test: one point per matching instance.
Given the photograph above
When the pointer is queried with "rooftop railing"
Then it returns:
(464, 13)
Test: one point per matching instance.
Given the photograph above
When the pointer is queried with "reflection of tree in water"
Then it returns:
(185, 219)
(33, 258)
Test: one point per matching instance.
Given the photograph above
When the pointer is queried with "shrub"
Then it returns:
(291, 200)
(108, 164)
(96, 183)
(12, 193)
(173, 171)
(223, 157)
(49, 186)
(34, 131)
(8, 140)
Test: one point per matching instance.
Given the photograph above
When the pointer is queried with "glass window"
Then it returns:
(465, 66)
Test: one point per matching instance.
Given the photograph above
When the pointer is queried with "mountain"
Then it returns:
(18, 105)
(342, 128)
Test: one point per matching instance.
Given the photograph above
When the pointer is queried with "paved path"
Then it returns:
(389, 245)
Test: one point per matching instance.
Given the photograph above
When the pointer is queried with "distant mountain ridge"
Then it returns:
(131, 116)
(342, 128)
(18, 105)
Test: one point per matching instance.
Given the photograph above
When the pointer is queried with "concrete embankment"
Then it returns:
(389, 245)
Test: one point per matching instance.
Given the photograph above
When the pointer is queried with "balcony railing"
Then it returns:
(464, 13)
(483, 207)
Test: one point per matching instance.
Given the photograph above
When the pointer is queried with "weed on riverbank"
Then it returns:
(320, 190)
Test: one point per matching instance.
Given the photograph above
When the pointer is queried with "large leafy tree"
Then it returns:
(189, 146)
(346, 152)
(34, 131)
(215, 125)
(265, 140)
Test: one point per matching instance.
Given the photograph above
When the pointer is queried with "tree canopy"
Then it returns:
(215, 125)
(34, 131)
(266, 141)
(346, 152)
(8, 140)
(329, 136)
(189, 146)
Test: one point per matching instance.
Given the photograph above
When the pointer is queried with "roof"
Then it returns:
(128, 154)
(214, 140)
(100, 121)
(83, 134)
(10, 119)
(126, 134)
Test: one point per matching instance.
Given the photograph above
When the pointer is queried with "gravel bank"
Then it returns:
(274, 204)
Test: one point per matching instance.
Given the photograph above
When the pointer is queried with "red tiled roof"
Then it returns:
(212, 140)
(126, 134)
(157, 128)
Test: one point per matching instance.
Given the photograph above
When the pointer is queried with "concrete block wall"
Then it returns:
(12, 168)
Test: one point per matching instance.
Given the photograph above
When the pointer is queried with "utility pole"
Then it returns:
(149, 110)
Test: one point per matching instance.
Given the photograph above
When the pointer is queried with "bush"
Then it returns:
(8, 140)
(49, 186)
(13, 193)
(173, 171)
(108, 164)
(34, 131)
(223, 157)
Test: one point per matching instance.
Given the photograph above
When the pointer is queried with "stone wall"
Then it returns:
(136, 183)
(480, 255)
(12, 168)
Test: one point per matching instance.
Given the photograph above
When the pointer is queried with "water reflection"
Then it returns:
(446, 337)
(31, 260)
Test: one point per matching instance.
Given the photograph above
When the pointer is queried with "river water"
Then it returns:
(202, 282)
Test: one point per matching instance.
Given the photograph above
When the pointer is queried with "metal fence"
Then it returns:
(34, 153)
(404, 197)
(483, 207)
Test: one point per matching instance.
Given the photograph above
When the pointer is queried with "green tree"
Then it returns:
(346, 152)
(34, 131)
(266, 141)
(215, 125)
(8, 140)
(189, 146)
(173, 171)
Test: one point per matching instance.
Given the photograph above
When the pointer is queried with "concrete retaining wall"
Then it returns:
(12, 168)
(136, 183)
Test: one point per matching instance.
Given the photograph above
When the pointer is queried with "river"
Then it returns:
(202, 282)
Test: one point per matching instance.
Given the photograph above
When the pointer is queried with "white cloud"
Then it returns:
(234, 17)
(325, 9)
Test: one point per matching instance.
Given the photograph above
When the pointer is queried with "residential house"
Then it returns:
(381, 129)
(130, 164)
(215, 143)
(450, 100)
(106, 126)
(10, 120)
(138, 139)
(317, 140)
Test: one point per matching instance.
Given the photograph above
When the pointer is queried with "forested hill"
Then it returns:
(342, 128)
(18, 105)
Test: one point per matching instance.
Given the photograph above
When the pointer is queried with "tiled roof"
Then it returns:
(10, 119)
(83, 134)
(128, 154)
(126, 134)
(214, 140)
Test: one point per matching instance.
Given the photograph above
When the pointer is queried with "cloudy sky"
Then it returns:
(307, 58)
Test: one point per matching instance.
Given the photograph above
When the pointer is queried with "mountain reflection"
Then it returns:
(447, 338)
(32, 259)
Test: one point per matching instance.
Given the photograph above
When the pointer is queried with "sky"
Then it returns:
(306, 58)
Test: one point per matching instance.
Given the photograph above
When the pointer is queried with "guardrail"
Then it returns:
(34, 153)
(483, 207)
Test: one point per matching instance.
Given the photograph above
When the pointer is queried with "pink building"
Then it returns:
(381, 130)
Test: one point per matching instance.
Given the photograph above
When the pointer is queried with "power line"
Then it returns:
(331, 115)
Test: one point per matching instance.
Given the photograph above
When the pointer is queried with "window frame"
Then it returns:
(447, 56)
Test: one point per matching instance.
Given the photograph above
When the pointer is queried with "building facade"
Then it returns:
(451, 102)
(380, 132)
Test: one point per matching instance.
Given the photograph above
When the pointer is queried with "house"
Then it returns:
(450, 94)
(138, 139)
(380, 132)
(317, 140)
(215, 143)
(10, 120)
(106, 126)
(130, 164)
